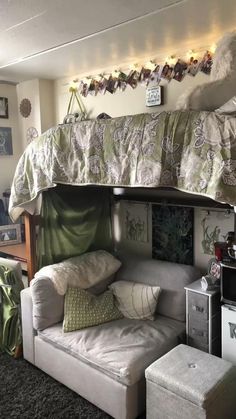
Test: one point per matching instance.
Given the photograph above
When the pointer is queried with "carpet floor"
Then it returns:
(27, 392)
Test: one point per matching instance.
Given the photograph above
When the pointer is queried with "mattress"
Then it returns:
(122, 349)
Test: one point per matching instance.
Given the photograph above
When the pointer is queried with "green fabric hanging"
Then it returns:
(74, 220)
(10, 320)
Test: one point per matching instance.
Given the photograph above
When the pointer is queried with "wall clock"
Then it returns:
(25, 108)
(31, 134)
(154, 96)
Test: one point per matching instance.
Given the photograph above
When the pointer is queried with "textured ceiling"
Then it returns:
(58, 38)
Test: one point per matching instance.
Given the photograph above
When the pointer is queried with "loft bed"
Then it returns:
(191, 151)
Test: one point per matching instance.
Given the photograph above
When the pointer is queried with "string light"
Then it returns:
(171, 60)
(191, 53)
(212, 48)
(124, 77)
(150, 65)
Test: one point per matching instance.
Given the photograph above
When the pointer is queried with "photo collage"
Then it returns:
(119, 80)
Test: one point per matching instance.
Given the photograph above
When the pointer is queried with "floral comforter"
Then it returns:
(188, 150)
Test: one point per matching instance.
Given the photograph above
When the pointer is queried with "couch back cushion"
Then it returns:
(170, 277)
(48, 305)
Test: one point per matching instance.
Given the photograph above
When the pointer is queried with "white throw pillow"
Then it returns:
(135, 300)
(82, 271)
(229, 108)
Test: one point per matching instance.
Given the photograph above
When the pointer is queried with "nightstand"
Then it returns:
(203, 318)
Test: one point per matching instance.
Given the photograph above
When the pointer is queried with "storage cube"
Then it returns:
(187, 383)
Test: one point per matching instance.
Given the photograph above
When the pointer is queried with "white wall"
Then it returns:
(47, 107)
(8, 163)
(29, 90)
(131, 101)
(41, 96)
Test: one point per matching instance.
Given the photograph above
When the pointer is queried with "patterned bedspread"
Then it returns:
(192, 151)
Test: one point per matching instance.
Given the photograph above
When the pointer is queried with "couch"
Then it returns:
(105, 364)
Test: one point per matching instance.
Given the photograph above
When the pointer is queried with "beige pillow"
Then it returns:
(135, 300)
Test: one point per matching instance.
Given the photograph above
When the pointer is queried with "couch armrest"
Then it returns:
(28, 332)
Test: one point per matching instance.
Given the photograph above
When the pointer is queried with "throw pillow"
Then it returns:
(135, 300)
(229, 108)
(82, 271)
(82, 309)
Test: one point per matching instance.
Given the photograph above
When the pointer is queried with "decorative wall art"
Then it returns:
(25, 108)
(5, 141)
(10, 234)
(214, 228)
(149, 73)
(31, 134)
(172, 234)
(135, 222)
(3, 107)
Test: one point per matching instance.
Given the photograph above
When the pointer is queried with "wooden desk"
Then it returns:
(17, 252)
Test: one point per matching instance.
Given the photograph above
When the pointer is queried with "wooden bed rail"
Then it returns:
(31, 221)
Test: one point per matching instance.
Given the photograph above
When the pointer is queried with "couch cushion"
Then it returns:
(121, 349)
(82, 309)
(136, 301)
(48, 305)
(171, 277)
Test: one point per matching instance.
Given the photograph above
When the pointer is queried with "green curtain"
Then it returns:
(74, 220)
(10, 320)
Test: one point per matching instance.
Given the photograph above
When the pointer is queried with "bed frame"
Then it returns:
(167, 196)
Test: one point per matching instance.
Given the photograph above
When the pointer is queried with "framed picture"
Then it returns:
(5, 141)
(3, 107)
(154, 96)
(10, 234)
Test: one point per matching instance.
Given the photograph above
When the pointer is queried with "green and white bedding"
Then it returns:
(189, 150)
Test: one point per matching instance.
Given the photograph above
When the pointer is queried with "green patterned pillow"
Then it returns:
(82, 309)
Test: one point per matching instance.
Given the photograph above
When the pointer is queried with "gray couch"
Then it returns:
(105, 364)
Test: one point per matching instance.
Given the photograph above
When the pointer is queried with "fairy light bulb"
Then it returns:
(212, 48)
(150, 65)
(191, 54)
(73, 85)
(171, 59)
(115, 73)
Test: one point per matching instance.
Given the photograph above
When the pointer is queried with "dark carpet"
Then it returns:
(27, 392)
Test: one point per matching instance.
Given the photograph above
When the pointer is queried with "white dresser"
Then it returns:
(229, 333)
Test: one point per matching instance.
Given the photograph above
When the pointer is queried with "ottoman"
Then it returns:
(187, 383)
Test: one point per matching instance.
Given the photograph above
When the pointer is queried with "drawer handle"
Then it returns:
(198, 332)
(198, 308)
(232, 328)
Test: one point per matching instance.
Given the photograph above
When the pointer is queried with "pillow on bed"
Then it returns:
(229, 108)
(82, 309)
(136, 301)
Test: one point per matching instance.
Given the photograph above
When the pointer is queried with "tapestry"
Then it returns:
(135, 220)
(215, 226)
(172, 234)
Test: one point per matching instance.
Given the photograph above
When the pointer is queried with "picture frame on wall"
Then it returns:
(3, 107)
(10, 234)
(5, 141)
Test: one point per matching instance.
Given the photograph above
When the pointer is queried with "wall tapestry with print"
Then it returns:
(215, 227)
(135, 219)
(172, 234)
